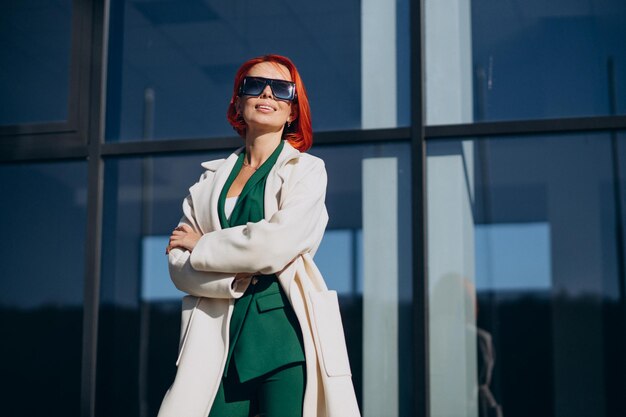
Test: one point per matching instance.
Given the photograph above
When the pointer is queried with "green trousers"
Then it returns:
(277, 394)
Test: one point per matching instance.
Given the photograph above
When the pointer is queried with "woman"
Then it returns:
(243, 250)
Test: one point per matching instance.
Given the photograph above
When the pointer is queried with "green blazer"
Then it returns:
(264, 331)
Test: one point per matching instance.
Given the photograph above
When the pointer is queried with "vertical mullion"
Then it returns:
(95, 13)
(419, 220)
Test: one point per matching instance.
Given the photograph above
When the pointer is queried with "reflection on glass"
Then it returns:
(498, 264)
(35, 39)
(338, 257)
(43, 217)
(525, 299)
(171, 64)
(489, 60)
(155, 279)
(351, 176)
(140, 307)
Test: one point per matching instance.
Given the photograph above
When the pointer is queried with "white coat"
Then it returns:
(283, 243)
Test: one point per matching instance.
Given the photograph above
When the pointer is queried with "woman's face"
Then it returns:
(265, 112)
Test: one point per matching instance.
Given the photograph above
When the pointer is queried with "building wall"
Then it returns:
(487, 134)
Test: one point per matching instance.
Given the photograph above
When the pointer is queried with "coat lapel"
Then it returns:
(275, 180)
(205, 198)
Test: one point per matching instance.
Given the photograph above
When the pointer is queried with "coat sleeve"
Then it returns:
(200, 283)
(268, 246)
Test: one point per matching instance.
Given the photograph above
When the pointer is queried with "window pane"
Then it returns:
(140, 307)
(43, 216)
(35, 48)
(172, 64)
(526, 294)
(489, 60)
(366, 257)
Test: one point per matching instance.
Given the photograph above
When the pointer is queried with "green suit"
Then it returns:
(265, 337)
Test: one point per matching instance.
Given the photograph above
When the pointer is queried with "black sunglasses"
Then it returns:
(281, 89)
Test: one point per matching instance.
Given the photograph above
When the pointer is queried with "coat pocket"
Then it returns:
(329, 329)
(270, 302)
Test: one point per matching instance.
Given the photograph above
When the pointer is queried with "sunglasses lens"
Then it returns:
(253, 86)
(283, 89)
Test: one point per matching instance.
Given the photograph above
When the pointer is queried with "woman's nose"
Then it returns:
(267, 92)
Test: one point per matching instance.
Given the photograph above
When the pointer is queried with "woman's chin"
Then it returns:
(257, 128)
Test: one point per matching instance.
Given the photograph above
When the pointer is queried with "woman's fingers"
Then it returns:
(177, 234)
(177, 244)
(184, 227)
(176, 240)
(182, 236)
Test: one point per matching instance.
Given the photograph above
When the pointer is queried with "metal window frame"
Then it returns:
(81, 137)
(96, 12)
(421, 385)
(38, 139)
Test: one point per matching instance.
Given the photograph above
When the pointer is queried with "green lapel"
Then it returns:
(249, 205)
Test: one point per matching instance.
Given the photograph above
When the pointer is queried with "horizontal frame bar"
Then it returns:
(137, 148)
(43, 147)
(36, 128)
(362, 136)
(69, 145)
(526, 127)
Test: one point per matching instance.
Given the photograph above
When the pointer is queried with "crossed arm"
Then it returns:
(217, 264)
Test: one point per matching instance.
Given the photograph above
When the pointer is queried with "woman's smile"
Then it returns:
(265, 108)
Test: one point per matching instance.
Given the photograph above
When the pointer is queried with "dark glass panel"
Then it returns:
(343, 244)
(41, 287)
(525, 60)
(541, 285)
(140, 307)
(171, 64)
(558, 59)
(35, 49)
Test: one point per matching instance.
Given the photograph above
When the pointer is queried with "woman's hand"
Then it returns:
(183, 237)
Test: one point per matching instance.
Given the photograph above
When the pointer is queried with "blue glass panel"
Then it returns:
(557, 59)
(35, 49)
(528, 60)
(140, 307)
(171, 64)
(527, 275)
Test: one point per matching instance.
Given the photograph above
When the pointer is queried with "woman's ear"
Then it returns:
(294, 114)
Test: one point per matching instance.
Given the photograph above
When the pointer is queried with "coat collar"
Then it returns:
(287, 154)
(206, 200)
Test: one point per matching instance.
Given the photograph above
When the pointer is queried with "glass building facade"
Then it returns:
(476, 158)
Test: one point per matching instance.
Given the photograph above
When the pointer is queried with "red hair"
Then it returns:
(300, 133)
